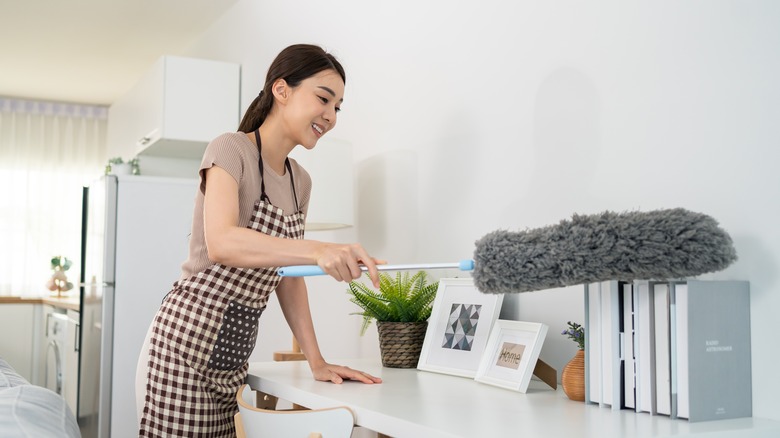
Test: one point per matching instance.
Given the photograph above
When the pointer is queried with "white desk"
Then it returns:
(413, 403)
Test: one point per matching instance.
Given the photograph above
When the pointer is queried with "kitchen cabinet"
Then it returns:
(176, 108)
(17, 345)
(70, 386)
(41, 342)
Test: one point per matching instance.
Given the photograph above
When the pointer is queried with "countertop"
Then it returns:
(413, 403)
(70, 302)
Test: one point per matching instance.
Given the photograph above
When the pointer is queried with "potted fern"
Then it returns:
(401, 308)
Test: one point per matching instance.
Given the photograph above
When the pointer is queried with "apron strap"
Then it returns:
(292, 184)
(263, 196)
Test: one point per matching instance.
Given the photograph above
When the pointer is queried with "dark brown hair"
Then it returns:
(293, 64)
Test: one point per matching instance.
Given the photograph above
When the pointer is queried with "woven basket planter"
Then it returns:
(401, 343)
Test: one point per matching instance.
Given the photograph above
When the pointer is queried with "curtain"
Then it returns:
(48, 152)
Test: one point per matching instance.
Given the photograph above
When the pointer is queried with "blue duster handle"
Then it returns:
(311, 270)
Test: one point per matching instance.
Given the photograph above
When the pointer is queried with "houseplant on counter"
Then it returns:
(401, 308)
(59, 280)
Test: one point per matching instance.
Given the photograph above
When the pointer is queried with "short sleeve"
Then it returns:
(224, 152)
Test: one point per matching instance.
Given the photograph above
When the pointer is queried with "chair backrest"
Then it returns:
(328, 423)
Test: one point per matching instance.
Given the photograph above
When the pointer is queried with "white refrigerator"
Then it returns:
(135, 236)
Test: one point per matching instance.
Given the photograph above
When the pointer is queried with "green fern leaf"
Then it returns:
(400, 298)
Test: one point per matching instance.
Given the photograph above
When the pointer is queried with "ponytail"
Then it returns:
(257, 112)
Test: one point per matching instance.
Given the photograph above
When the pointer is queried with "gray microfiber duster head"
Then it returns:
(661, 244)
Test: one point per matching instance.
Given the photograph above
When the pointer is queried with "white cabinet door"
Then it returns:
(201, 99)
(175, 109)
(41, 342)
(71, 358)
(16, 342)
(135, 114)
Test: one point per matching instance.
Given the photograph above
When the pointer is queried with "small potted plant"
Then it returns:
(135, 166)
(59, 280)
(576, 333)
(573, 375)
(401, 308)
(117, 166)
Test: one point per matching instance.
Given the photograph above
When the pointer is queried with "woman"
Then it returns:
(248, 219)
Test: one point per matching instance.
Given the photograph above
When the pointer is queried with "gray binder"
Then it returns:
(710, 350)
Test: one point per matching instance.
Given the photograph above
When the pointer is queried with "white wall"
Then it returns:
(517, 114)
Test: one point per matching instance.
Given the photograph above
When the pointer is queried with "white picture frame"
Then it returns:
(511, 354)
(454, 343)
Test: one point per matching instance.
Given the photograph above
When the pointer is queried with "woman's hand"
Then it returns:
(342, 262)
(338, 373)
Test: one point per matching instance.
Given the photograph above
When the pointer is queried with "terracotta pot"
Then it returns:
(573, 377)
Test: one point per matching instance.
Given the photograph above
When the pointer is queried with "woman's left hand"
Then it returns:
(338, 373)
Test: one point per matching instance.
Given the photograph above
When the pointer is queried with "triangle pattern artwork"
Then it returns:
(461, 326)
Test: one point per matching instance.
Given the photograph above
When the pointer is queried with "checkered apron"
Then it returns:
(203, 335)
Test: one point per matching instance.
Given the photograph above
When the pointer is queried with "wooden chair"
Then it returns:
(252, 422)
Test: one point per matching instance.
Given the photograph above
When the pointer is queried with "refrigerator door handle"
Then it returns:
(77, 337)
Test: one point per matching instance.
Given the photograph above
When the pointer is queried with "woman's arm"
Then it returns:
(294, 301)
(232, 245)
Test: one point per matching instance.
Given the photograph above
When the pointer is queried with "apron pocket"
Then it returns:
(236, 338)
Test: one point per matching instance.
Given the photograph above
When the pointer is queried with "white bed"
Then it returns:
(32, 411)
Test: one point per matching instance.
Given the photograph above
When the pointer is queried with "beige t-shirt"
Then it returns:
(238, 155)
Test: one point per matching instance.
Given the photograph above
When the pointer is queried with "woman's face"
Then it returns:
(311, 108)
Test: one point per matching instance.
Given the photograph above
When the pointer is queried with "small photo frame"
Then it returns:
(458, 328)
(511, 354)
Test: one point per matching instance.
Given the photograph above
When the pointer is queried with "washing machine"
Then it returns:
(56, 346)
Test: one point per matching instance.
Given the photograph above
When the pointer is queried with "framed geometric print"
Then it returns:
(459, 327)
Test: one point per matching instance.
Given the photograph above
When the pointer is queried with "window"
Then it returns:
(48, 152)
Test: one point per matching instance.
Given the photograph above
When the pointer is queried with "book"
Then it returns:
(592, 326)
(627, 341)
(603, 349)
(710, 325)
(611, 303)
(662, 352)
(644, 351)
